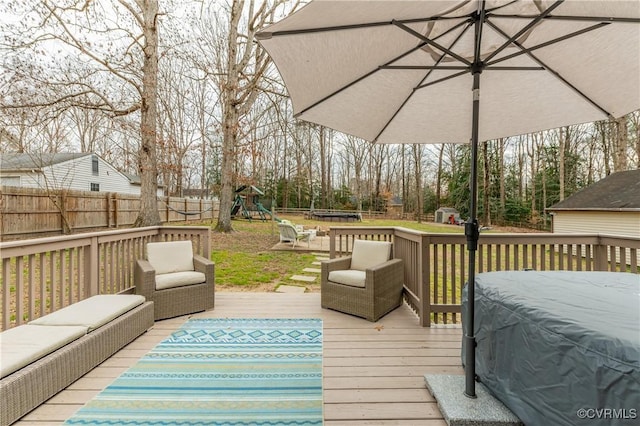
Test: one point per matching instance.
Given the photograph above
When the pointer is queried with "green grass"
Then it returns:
(244, 260)
(235, 268)
(423, 226)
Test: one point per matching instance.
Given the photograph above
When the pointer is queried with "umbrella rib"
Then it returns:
(424, 67)
(548, 43)
(574, 18)
(430, 42)
(524, 30)
(553, 72)
(267, 35)
(423, 79)
(419, 46)
(346, 86)
(440, 80)
(514, 68)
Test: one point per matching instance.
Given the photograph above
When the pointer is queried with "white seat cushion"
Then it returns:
(22, 345)
(179, 279)
(350, 277)
(171, 256)
(367, 254)
(93, 312)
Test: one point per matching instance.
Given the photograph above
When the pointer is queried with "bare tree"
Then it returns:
(106, 59)
(231, 57)
(621, 142)
(486, 184)
(417, 162)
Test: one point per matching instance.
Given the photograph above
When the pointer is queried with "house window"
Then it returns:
(10, 181)
(95, 187)
(94, 165)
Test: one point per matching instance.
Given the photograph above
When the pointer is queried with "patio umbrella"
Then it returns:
(459, 71)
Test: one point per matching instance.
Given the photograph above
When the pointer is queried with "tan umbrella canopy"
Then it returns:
(461, 71)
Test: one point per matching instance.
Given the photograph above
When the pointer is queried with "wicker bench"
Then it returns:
(30, 385)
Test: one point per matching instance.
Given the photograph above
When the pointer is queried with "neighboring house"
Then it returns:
(609, 206)
(83, 172)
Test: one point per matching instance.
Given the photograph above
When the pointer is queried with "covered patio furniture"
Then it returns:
(176, 280)
(289, 233)
(367, 284)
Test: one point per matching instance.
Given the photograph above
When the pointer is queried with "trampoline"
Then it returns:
(336, 216)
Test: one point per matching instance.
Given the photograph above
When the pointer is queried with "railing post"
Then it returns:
(207, 244)
(425, 278)
(600, 257)
(91, 262)
(332, 243)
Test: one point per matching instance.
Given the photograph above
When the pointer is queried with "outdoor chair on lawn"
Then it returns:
(177, 281)
(289, 233)
(367, 284)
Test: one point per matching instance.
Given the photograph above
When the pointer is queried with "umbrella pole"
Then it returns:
(471, 230)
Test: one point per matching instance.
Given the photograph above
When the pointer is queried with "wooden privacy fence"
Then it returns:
(31, 212)
(42, 275)
(435, 265)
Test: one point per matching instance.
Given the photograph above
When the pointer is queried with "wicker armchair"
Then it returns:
(367, 284)
(176, 280)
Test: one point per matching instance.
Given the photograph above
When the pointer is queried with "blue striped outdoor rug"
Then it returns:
(232, 372)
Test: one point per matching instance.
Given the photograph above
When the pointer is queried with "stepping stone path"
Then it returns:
(290, 289)
(310, 276)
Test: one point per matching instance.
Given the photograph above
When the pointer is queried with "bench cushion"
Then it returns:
(179, 279)
(25, 344)
(171, 256)
(93, 312)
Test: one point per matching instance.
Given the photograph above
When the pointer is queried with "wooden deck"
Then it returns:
(373, 372)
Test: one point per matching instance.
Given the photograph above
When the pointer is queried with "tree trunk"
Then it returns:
(147, 160)
(417, 157)
(439, 177)
(502, 178)
(621, 144)
(561, 159)
(230, 117)
(486, 214)
(230, 120)
(323, 168)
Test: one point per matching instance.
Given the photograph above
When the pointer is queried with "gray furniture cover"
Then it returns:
(560, 348)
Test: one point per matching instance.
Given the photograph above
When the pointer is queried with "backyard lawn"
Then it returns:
(245, 262)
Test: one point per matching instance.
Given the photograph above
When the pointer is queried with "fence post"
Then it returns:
(115, 210)
(108, 201)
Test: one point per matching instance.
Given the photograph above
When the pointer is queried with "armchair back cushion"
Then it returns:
(367, 254)
(171, 256)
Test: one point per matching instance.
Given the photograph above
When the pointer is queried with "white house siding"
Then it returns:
(614, 223)
(77, 174)
(74, 174)
(621, 223)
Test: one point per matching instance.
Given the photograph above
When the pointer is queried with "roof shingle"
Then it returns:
(618, 191)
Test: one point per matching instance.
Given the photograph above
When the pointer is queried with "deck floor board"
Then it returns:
(373, 372)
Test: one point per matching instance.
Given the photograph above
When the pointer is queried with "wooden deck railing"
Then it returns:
(435, 265)
(42, 275)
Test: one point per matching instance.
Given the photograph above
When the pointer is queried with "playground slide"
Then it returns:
(264, 210)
